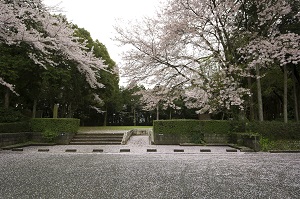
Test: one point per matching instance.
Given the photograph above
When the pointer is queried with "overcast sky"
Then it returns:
(99, 16)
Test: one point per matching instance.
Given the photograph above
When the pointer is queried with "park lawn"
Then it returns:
(107, 128)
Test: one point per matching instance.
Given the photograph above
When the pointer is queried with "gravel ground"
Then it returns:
(138, 174)
(50, 175)
(136, 145)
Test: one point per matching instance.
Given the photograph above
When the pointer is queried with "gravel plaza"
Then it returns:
(168, 172)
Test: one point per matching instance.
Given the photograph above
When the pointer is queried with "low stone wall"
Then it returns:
(126, 137)
(63, 138)
(251, 141)
(7, 139)
(214, 138)
(169, 139)
(174, 139)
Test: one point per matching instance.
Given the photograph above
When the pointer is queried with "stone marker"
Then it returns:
(205, 150)
(98, 150)
(178, 150)
(55, 110)
(43, 150)
(124, 150)
(151, 150)
(71, 150)
(17, 149)
(231, 150)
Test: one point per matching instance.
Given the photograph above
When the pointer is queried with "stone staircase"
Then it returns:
(97, 139)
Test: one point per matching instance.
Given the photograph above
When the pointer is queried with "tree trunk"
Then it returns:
(295, 98)
(285, 89)
(34, 108)
(105, 117)
(251, 116)
(259, 96)
(69, 111)
(6, 98)
(134, 117)
(157, 113)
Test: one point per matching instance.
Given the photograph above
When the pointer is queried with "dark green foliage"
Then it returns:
(272, 134)
(238, 126)
(193, 130)
(188, 126)
(14, 127)
(276, 130)
(267, 144)
(9, 115)
(60, 125)
(50, 135)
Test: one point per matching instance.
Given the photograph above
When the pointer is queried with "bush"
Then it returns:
(267, 144)
(14, 127)
(276, 130)
(66, 125)
(189, 130)
(188, 126)
(49, 135)
(8, 115)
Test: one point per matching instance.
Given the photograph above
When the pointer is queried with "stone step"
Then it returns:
(95, 143)
(96, 139)
(100, 134)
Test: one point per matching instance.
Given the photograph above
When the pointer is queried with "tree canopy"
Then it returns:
(208, 49)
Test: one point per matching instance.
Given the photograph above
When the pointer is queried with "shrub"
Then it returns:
(14, 127)
(190, 130)
(8, 115)
(188, 126)
(49, 135)
(67, 125)
(267, 144)
(277, 130)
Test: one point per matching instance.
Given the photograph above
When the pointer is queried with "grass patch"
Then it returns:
(268, 145)
(111, 128)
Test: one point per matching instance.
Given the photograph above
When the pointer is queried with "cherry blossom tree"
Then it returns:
(206, 48)
(30, 22)
(268, 46)
(157, 97)
(184, 48)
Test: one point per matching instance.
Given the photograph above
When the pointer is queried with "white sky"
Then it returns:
(99, 16)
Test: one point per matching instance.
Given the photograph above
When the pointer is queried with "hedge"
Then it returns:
(188, 126)
(66, 125)
(275, 130)
(178, 131)
(14, 127)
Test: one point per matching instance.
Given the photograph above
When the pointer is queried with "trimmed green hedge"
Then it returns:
(177, 131)
(66, 125)
(188, 126)
(14, 127)
(276, 130)
(193, 130)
